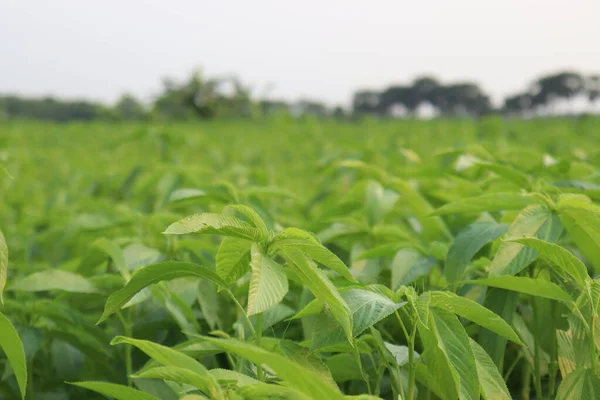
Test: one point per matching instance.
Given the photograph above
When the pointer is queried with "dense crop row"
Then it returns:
(299, 260)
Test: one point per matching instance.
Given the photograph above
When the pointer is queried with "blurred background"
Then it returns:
(65, 60)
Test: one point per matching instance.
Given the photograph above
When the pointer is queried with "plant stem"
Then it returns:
(237, 303)
(512, 366)
(360, 367)
(258, 336)
(126, 322)
(411, 362)
(536, 356)
(410, 339)
(553, 366)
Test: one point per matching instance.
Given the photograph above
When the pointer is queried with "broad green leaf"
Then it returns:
(366, 307)
(54, 279)
(409, 265)
(228, 375)
(3, 265)
(12, 346)
(491, 381)
(306, 358)
(507, 172)
(172, 358)
(513, 257)
(385, 250)
(503, 303)
(321, 288)
(151, 274)
(207, 383)
(581, 384)
(118, 392)
(486, 202)
(534, 287)
(558, 256)
(233, 259)
(582, 222)
(116, 254)
(296, 376)
(573, 347)
(343, 367)
(379, 201)
(270, 317)
(436, 373)
(454, 342)
(215, 224)
(266, 391)
(253, 217)
(312, 308)
(467, 244)
(433, 226)
(318, 253)
(268, 285)
(473, 311)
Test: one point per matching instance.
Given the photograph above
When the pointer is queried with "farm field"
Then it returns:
(300, 259)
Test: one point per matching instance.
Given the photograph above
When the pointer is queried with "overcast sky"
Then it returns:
(322, 49)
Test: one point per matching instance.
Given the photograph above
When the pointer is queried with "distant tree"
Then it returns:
(593, 87)
(517, 104)
(466, 99)
(424, 88)
(548, 89)
(398, 95)
(365, 102)
(129, 108)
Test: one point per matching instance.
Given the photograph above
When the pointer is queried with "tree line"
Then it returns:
(200, 97)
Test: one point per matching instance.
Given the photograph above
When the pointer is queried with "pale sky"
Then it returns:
(321, 49)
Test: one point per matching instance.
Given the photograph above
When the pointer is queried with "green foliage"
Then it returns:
(300, 260)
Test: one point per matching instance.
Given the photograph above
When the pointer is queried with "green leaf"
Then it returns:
(507, 172)
(306, 358)
(233, 259)
(118, 392)
(467, 244)
(12, 346)
(503, 303)
(379, 201)
(534, 287)
(582, 222)
(296, 376)
(513, 257)
(253, 217)
(367, 308)
(318, 253)
(581, 384)
(486, 202)
(491, 381)
(268, 285)
(454, 342)
(215, 224)
(433, 226)
(173, 358)
(312, 308)
(263, 391)
(228, 375)
(558, 256)
(116, 254)
(409, 265)
(473, 311)
(207, 383)
(54, 279)
(3, 265)
(449, 336)
(155, 273)
(321, 288)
